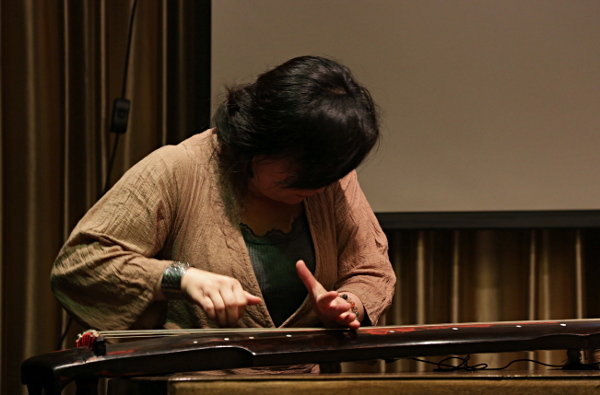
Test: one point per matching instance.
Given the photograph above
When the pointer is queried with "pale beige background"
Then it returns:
(487, 105)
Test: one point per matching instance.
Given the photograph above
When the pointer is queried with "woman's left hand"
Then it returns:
(331, 308)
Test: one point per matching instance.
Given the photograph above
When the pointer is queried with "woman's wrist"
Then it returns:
(169, 286)
(356, 305)
(353, 307)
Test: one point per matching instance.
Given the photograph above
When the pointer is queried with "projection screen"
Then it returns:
(486, 105)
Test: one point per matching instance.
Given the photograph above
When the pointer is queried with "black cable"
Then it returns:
(123, 93)
(442, 366)
(115, 144)
(128, 50)
(64, 335)
(111, 162)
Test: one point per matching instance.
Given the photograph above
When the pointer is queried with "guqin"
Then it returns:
(228, 349)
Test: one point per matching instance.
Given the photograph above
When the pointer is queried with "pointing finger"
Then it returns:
(310, 282)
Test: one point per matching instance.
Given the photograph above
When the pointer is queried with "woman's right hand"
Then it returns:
(221, 297)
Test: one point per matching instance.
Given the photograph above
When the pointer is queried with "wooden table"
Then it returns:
(543, 382)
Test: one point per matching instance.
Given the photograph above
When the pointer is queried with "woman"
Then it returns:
(259, 222)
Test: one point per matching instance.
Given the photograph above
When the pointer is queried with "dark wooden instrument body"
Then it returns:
(237, 349)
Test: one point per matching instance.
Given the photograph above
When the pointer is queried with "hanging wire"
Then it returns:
(110, 164)
(115, 144)
(123, 94)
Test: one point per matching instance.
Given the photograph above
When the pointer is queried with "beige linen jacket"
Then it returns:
(169, 207)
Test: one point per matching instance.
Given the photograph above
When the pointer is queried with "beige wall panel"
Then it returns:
(487, 105)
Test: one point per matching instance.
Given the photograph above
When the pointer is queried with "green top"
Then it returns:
(274, 258)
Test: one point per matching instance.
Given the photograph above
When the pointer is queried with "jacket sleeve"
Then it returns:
(364, 268)
(105, 273)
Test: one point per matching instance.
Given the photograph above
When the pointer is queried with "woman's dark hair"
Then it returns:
(309, 110)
